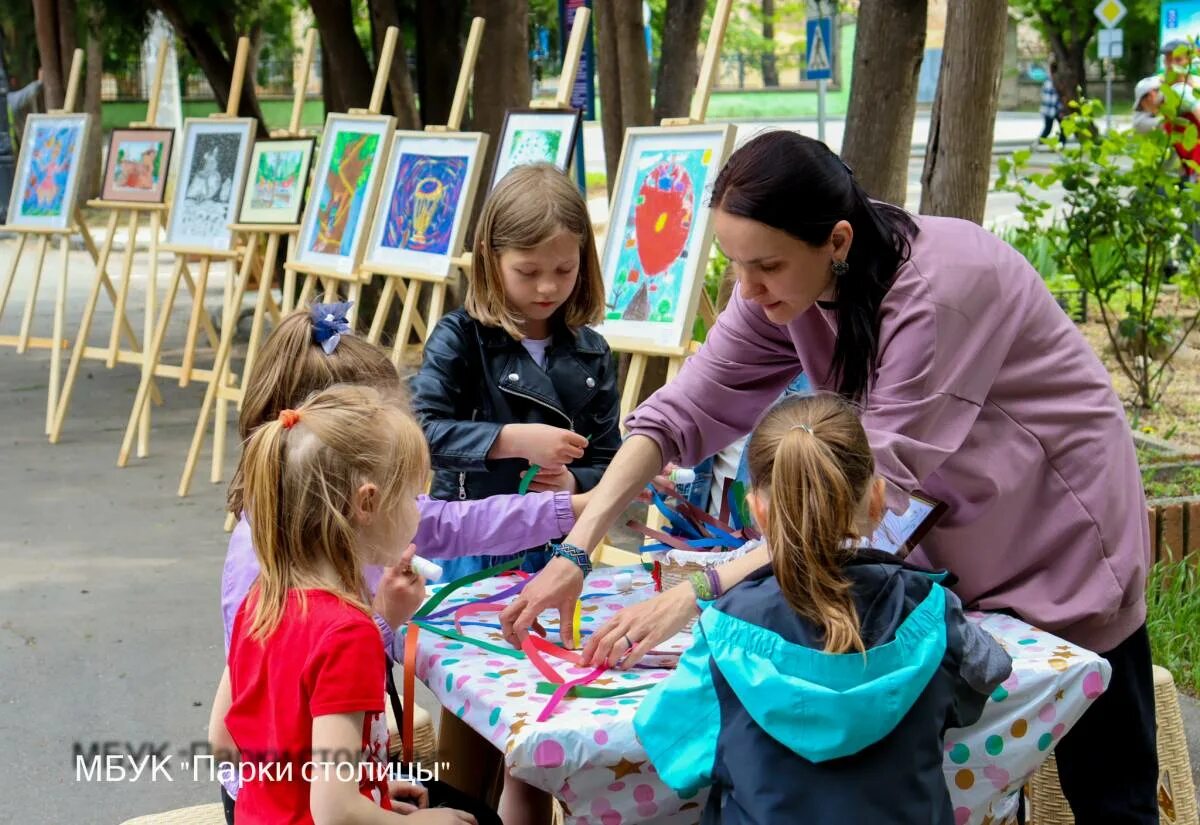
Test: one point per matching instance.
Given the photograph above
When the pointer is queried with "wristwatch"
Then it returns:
(573, 553)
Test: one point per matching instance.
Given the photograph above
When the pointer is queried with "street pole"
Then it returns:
(1108, 81)
(821, 84)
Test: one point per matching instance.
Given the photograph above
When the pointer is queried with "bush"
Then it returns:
(1127, 212)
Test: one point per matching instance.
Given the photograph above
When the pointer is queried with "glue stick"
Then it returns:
(682, 475)
(426, 569)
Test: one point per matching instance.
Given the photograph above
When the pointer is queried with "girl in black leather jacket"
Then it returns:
(515, 379)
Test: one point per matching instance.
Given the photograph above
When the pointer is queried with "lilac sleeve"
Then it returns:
(722, 390)
(497, 525)
(240, 571)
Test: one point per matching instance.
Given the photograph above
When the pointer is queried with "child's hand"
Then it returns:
(406, 797)
(441, 816)
(554, 478)
(401, 591)
(542, 444)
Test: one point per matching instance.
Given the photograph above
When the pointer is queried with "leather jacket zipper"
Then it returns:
(462, 477)
(540, 403)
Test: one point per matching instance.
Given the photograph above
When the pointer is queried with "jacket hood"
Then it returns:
(826, 706)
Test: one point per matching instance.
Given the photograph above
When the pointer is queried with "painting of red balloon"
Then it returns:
(652, 266)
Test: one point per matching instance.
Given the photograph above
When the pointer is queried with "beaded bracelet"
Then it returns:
(714, 581)
(701, 586)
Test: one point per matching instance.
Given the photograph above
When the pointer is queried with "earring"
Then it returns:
(840, 268)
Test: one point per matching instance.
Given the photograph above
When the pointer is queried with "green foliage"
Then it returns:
(1126, 212)
(1172, 616)
(1160, 482)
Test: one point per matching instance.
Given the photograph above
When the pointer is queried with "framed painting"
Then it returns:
(278, 177)
(659, 234)
(428, 190)
(47, 175)
(345, 185)
(536, 136)
(135, 170)
(212, 172)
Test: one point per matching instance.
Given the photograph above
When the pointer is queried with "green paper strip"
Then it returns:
(527, 479)
(458, 637)
(458, 584)
(589, 692)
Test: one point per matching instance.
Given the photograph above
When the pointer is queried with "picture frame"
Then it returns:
(536, 135)
(659, 235)
(46, 179)
(336, 219)
(137, 165)
(276, 181)
(425, 201)
(208, 190)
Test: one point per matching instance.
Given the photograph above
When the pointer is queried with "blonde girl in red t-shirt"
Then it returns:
(329, 487)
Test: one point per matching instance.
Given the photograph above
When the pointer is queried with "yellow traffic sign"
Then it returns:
(1110, 12)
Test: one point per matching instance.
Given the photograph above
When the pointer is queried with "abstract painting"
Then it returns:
(209, 188)
(659, 232)
(47, 171)
(278, 177)
(536, 136)
(345, 183)
(428, 191)
(138, 161)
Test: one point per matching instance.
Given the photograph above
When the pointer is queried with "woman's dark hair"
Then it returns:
(797, 185)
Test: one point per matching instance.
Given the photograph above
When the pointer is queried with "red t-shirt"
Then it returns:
(324, 658)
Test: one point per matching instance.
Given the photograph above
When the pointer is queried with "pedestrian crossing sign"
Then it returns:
(819, 40)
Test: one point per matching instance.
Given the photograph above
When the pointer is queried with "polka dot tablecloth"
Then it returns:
(586, 754)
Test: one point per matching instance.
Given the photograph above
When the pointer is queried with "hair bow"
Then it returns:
(330, 324)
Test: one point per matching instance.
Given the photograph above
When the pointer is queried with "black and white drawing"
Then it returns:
(213, 172)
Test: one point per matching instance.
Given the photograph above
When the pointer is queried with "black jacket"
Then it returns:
(475, 379)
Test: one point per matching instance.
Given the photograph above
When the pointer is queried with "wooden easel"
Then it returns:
(641, 353)
(331, 279)
(56, 343)
(152, 364)
(407, 285)
(132, 215)
(222, 392)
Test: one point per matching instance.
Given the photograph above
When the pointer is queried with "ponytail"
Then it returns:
(810, 458)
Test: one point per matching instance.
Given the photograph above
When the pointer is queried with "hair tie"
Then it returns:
(289, 418)
(330, 324)
(804, 427)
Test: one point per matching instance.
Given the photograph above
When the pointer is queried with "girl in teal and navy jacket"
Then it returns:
(820, 688)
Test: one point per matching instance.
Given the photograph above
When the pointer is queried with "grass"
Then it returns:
(1173, 605)
(278, 113)
(1182, 482)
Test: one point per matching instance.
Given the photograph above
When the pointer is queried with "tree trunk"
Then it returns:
(502, 73)
(94, 54)
(1070, 81)
(344, 63)
(679, 66)
(439, 56)
(214, 61)
(51, 21)
(608, 78)
(888, 50)
(624, 75)
(635, 64)
(385, 13)
(770, 74)
(958, 159)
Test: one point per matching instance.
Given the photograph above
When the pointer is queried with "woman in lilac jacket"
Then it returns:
(975, 389)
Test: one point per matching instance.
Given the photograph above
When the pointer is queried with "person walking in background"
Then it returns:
(1051, 103)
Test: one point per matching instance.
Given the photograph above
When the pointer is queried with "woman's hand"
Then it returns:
(554, 479)
(625, 638)
(559, 585)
